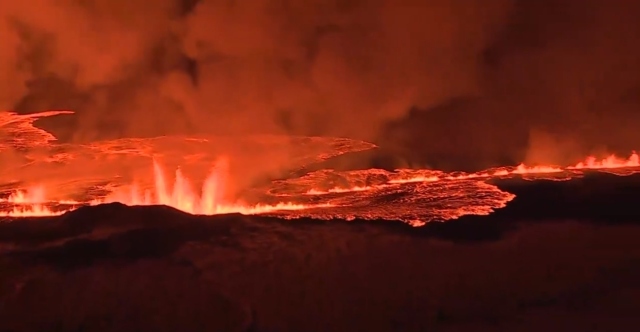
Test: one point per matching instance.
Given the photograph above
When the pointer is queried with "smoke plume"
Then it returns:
(337, 67)
(560, 82)
(569, 70)
(538, 77)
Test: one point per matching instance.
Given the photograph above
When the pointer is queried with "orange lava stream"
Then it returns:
(610, 162)
(28, 203)
(182, 196)
(210, 201)
(34, 195)
(522, 169)
(338, 190)
(36, 210)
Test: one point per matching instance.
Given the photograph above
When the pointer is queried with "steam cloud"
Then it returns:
(337, 67)
(327, 67)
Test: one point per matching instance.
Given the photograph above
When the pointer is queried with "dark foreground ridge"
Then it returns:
(561, 255)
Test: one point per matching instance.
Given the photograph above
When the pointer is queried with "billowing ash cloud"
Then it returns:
(561, 80)
(537, 78)
(568, 72)
(328, 67)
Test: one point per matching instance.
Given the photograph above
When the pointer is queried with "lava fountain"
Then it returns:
(209, 201)
(91, 174)
(32, 202)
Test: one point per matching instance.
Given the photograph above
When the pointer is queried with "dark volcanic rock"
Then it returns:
(148, 296)
(561, 255)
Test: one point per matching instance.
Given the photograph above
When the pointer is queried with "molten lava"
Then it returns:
(33, 195)
(610, 162)
(28, 203)
(209, 201)
(65, 177)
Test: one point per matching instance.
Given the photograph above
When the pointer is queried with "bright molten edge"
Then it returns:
(216, 175)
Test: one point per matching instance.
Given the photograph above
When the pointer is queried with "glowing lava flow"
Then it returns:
(36, 210)
(182, 196)
(426, 176)
(337, 190)
(434, 195)
(28, 203)
(31, 202)
(33, 195)
(610, 162)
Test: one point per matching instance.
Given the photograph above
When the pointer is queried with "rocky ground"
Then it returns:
(561, 256)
